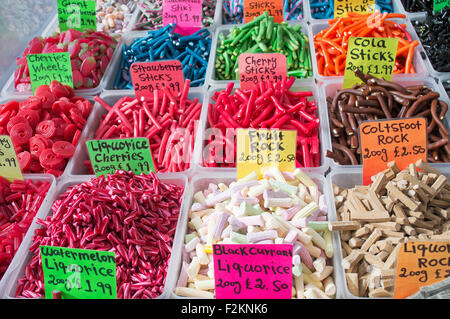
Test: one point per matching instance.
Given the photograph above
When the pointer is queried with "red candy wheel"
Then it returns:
(24, 160)
(10, 106)
(20, 133)
(31, 115)
(42, 88)
(60, 125)
(49, 160)
(37, 145)
(47, 99)
(14, 120)
(35, 166)
(33, 102)
(63, 149)
(69, 131)
(46, 128)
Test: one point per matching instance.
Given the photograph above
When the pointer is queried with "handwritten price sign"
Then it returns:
(9, 164)
(253, 271)
(77, 14)
(342, 7)
(421, 264)
(186, 14)
(254, 8)
(403, 141)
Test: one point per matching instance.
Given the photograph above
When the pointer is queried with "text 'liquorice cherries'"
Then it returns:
(421, 263)
(130, 154)
(46, 67)
(403, 141)
(77, 14)
(150, 76)
(253, 271)
(79, 273)
(374, 56)
(259, 150)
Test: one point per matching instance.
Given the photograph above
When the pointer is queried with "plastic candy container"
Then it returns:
(19, 203)
(90, 53)
(45, 128)
(192, 51)
(138, 227)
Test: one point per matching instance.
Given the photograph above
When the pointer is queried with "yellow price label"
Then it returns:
(342, 7)
(9, 164)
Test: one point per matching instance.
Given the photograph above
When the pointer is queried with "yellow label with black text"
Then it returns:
(9, 164)
(342, 7)
(259, 150)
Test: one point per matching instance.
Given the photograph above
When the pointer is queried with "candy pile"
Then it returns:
(282, 208)
(324, 9)
(90, 53)
(380, 99)
(446, 84)
(167, 120)
(150, 17)
(192, 51)
(331, 43)
(375, 220)
(113, 16)
(134, 216)
(266, 106)
(434, 33)
(233, 11)
(19, 203)
(262, 35)
(45, 127)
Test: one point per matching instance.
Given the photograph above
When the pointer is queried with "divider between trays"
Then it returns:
(21, 251)
(348, 177)
(23, 260)
(76, 166)
(201, 181)
(298, 86)
(419, 65)
(330, 88)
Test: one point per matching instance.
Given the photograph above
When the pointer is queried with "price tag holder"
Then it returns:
(9, 164)
(257, 67)
(77, 14)
(129, 154)
(255, 8)
(420, 263)
(438, 5)
(79, 273)
(150, 76)
(403, 141)
(375, 56)
(259, 150)
(186, 14)
(253, 271)
(46, 67)
(342, 7)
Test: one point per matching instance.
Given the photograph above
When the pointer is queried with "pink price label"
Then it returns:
(186, 14)
(150, 76)
(253, 271)
(259, 67)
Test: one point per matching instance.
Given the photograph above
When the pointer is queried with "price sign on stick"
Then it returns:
(255, 8)
(259, 150)
(150, 76)
(403, 141)
(342, 7)
(420, 263)
(129, 154)
(77, 14)
(9, 164)
(79, 273)
(258, 67)
(253, 271)
(186, 14)
(374, 56)
(46, 67)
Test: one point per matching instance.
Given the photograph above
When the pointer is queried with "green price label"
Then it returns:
(438, 5)
(79, 273)
(77, 14)
(129, 154)
(374, 56)
(9, 164)
(46, 67)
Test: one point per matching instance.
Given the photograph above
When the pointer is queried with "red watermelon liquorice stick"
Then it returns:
(267, 105)
(168, 120)
(133, 215)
